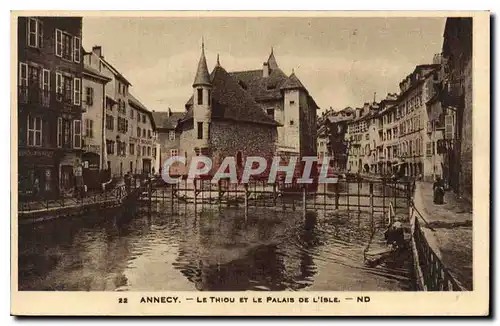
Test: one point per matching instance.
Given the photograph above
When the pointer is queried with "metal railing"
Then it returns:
(433, 274)
(349, 195)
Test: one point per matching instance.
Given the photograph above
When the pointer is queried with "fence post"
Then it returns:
(336, 188)
(274, 194)
(371, 198)
(304, 204)
(246, 199)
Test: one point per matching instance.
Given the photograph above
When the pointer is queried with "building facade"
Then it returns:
(168, 135)
(50, 72)
(456, 95)
(94, 105)
(129, 135)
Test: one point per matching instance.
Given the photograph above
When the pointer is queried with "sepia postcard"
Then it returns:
(238, 163)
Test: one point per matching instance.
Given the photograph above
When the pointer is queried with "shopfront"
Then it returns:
(37, 173)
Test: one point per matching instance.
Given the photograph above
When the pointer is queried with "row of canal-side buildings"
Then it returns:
(424, 130)
(75, 110)
(76, 113)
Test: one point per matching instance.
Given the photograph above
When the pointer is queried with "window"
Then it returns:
(292, 102)
(138, 117)
(144, 133)
(110, 147)
(65, 91)
(76, 49)
(291, 122)
(154, 151)
(270, 112)
(89, 128)
(149, 151)
(77, 91)
(77, 134)
(138, 150)
(131, 149)
(110, 122)
(143, 118)
(34, 131)
(67, 44)
(89, 95)
(131, 113)
(66, 133)
(59, 132)
(149, 133)
(448, 126)
(59, 43)
(35, 33)
(200, 130)
(367, 136)
(209, 97)
(143, 150)
(199, 96)
(23, 75)
(46, 81)
(138, 132)
(171, 135)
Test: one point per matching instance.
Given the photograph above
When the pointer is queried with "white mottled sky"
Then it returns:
(342, 61)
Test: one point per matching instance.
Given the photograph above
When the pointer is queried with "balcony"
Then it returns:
(34, 96)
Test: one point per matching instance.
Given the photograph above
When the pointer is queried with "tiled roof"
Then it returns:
(167, 120)
(132, 100)
(292, 83)
(91, 71)
(231, 102)
(260, 87)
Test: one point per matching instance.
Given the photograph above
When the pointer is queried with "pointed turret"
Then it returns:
(272, 61)
(292, 82)
(202, 75)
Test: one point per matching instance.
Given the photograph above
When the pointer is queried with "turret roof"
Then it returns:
(202, 75)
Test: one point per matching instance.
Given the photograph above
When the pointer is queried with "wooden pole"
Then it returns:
(246, 200)
(336, 189)
(304, 203)
(371, 198)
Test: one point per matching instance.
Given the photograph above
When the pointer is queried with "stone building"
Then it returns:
(222, 119)
(286, 100)
(457, 95)
(129, 129)
(50, 71)
(94, 104)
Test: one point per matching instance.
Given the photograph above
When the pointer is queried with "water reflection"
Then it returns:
(206, 250)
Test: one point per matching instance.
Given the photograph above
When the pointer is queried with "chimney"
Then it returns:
(169, 112)
(97, 49)
(265, 70)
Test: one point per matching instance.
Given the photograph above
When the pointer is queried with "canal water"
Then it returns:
(207, 249)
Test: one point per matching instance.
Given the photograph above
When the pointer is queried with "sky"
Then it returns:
(341, 61)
